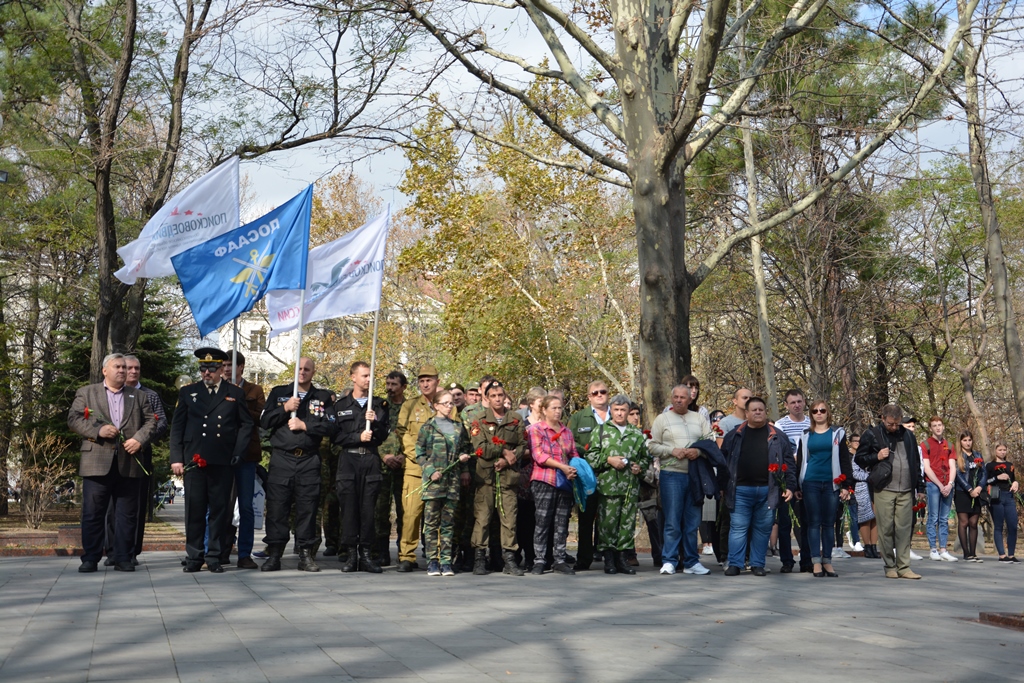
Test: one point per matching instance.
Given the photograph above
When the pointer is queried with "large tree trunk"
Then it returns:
(1005, 315)
(108, 326)
(665, 289)
(6, 407)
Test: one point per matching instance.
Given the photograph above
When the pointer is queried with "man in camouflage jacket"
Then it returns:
(499, 441)
(618, 455)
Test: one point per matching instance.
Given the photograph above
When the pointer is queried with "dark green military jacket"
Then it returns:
(490, 439)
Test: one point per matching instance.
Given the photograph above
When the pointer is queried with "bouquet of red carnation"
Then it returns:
(919, 506)
(479, 452)
(647, 433)
(779, 472)
(497, 442)
(197, 461)
(838, 481)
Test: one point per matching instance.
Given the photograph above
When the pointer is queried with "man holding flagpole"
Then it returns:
(359, 474)
(297, 424)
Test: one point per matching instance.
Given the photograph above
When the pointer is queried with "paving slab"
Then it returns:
(159, 624)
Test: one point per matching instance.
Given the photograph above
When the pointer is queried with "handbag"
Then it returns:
(562, 482)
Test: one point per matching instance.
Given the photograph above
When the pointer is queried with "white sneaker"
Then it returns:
(667, 568)
(947, 557)
(915, 556)
(839, 553)
(934, 555)
(708, 550)
(697, 569)
(857, 547)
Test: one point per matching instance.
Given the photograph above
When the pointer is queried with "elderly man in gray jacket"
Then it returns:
(116, 423)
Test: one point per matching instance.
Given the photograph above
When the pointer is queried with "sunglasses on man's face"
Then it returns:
(599, 392)
(209, 368)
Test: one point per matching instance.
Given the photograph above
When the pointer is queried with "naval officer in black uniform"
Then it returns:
(210, 421)
(297, 425)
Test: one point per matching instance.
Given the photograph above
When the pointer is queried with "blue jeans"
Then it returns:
(1004, 510)
(820, 502)
(750, 512)
(682, 518)
(938, 516)
(245, 487)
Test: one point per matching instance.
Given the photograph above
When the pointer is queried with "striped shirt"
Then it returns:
(794, 430)
(546, 443)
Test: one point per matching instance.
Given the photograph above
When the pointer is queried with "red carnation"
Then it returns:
(773, 468)
(479, 452)
(87, 412)
(497, 442)
(839, 480)
(785, 467)
(979, 462)
(647, 433)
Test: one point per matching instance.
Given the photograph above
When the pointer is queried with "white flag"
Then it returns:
(203, 210)
(343, 277)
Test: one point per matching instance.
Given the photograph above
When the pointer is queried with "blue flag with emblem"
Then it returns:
(225, 276)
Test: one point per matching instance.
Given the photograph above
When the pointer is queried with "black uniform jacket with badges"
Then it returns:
(217, 426)
(316, 410)
(352, 423)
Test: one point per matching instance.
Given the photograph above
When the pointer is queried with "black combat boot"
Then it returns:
(367, 563)
(306, 561)
(351, 562)
(510, 564)
(273, 563)
(609, 564)
(621, 564)
(480, 562)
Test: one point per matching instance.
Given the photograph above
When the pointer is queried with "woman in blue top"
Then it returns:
(826, 477)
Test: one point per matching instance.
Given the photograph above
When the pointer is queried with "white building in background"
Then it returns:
(265, 358)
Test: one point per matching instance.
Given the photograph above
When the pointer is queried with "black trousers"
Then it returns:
(291, 480)
(358, 486)
(206, 488)
(786, 529)
(99, 493)
(143, 501)
(586, 531)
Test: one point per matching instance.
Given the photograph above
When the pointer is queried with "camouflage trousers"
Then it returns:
(439, 529)
(390, 491)
(616, 522)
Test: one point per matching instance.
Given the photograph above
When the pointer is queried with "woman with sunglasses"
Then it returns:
(443, 451)
(826, 477)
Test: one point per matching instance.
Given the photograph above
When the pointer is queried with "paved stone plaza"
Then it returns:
(159, 624)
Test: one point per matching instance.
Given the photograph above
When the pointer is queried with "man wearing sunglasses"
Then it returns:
(583, 424)
(211, 427)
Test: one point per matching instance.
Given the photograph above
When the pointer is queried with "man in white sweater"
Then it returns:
(672, 437)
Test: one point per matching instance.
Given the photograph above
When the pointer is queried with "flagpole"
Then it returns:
(298, 347)
(373, 362)
(234, 353)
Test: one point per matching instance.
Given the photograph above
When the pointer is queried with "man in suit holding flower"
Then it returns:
(116, 423)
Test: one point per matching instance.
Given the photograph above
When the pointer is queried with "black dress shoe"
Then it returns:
(405, 566)
(215, 568)
(109, 562)
(87, 567)
(247, 563)
(832, 574)
(124, 567)
(732, 570)
(786, 569)
(191, 568)
(758, 571)
(135, 561)
(819, 575)
(330, 552)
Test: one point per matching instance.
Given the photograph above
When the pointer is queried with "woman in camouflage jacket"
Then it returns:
(443, 451)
